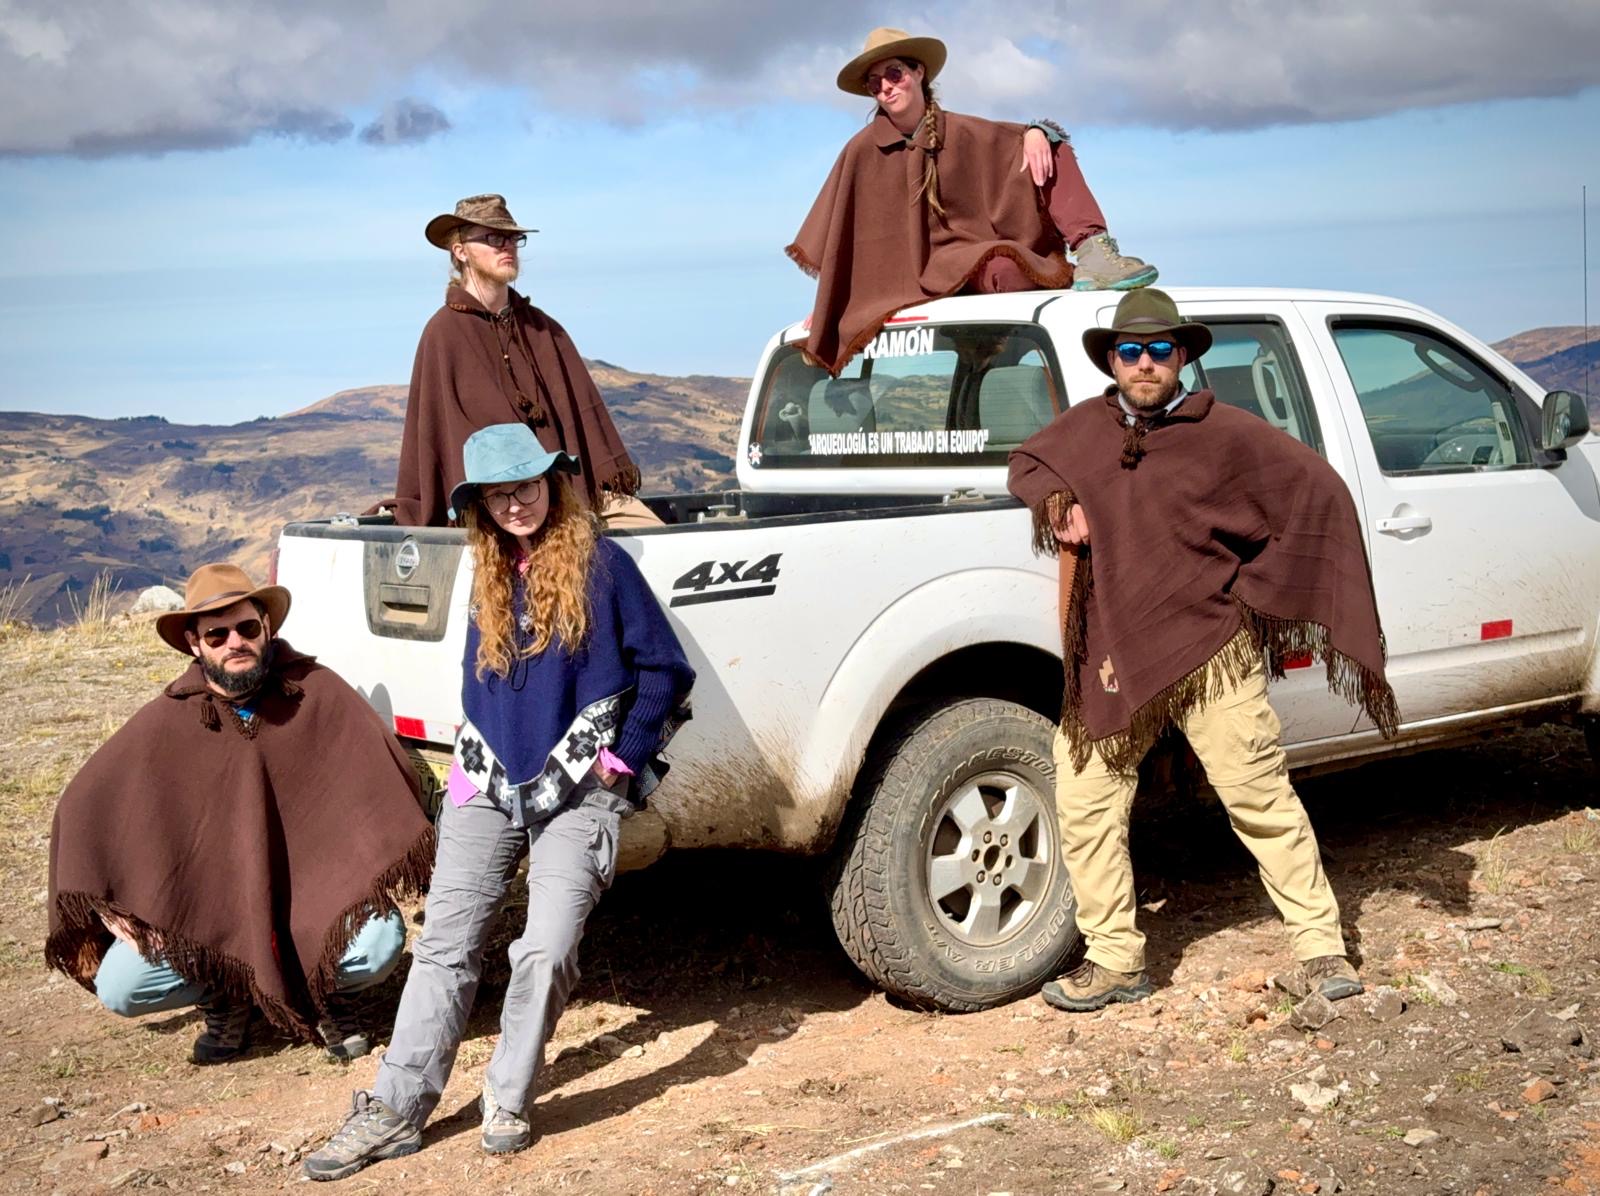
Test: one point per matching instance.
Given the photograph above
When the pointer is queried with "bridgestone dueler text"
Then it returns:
(883, 913)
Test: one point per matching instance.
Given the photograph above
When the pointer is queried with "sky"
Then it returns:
(213, 209)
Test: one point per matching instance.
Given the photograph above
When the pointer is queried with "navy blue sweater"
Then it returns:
(630, 647)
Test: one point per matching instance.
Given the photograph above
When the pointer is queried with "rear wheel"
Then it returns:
(948, 888)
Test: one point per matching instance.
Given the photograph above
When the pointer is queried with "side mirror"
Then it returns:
(1566, 421)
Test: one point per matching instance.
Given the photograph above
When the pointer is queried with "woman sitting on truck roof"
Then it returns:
(572, 680)
(924, 203)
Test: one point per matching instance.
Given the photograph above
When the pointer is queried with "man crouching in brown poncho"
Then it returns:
(240, 840)
(1220, 545)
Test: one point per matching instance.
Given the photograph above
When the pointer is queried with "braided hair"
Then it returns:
(929, 131)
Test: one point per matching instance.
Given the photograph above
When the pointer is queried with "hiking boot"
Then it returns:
(1089, 987)
(227, 1031)
(504, 1132)
(1332, 976)
(1099, 266)
(371, 1133)
(341, 1033)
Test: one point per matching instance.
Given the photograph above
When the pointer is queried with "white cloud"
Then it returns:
(98, 77)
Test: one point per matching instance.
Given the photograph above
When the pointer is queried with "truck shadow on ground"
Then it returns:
(1399, 825)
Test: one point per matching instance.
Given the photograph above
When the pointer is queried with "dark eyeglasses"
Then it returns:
(1131, 351)
(215, 637)
(892, 74)
(498, 501)
(501, 240)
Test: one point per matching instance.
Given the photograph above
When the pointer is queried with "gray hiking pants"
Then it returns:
(572, 858)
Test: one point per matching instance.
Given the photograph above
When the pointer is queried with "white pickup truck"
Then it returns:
(877, 647)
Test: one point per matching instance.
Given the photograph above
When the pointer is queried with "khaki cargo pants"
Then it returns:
(1236, 738)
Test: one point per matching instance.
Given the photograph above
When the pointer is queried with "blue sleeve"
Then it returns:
(651, 651)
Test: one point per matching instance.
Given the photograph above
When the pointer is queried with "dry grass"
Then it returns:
(92, 616)
(1494, 870)
(11, 598)
(1579, 838)
(1114, 1125)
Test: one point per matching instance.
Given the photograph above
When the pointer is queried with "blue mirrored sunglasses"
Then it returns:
(1131, 351)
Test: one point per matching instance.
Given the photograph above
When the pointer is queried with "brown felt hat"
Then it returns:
(1145, 312)
(489, 211)
(891, 43)
(216, 587)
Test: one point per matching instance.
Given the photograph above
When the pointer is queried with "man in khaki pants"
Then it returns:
(1220, 545)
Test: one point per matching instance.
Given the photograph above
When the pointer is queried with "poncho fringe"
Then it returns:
(1261, 640)
(71, 949)
(180, 893)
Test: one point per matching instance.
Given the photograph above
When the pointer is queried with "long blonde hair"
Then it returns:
(555, 587)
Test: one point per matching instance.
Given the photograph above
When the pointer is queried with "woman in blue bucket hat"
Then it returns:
(568, 649)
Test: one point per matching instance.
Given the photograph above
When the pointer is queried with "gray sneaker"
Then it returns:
(371, 1133)
(1333, 977)
(1100, 266)
(504, 1132)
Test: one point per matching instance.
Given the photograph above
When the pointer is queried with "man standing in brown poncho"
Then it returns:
(488, 356)
(240, 841)
(1199, 546)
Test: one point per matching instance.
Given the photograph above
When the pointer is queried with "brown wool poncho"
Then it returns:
(1203, 524)
(875, 244)
(474, 369)
(246, 855)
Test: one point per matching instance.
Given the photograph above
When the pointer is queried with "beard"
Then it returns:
(1148, 394)
(496, 274)
(237, 685)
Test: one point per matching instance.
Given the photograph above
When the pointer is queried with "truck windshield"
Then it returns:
(920, 394)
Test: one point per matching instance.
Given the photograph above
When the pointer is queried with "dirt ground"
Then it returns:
(721, 1042)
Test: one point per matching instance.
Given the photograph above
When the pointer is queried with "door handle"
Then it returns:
(1395, 524)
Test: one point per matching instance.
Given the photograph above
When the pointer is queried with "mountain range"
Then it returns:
(147, 501)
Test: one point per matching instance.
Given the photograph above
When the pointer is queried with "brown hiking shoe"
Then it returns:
(1332, 976)
(1089, 987)
(1099, 265)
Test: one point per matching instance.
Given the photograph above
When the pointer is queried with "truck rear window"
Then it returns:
(921, 394)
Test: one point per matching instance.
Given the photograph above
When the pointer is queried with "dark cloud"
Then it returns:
(98, 77)
(406, 122)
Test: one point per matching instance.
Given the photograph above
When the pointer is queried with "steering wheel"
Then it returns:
(1461, 444)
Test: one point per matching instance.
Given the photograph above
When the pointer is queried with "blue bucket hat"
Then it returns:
(504, 453)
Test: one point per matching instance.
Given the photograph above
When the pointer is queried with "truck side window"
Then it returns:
(921, 394)
(1251, 365)
(1429, 406)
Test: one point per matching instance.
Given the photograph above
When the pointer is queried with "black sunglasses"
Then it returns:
(215, 637)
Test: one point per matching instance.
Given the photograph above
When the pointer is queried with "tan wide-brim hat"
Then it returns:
(891, 43)
(1145, 313)
(487, 210)
(216, 587)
